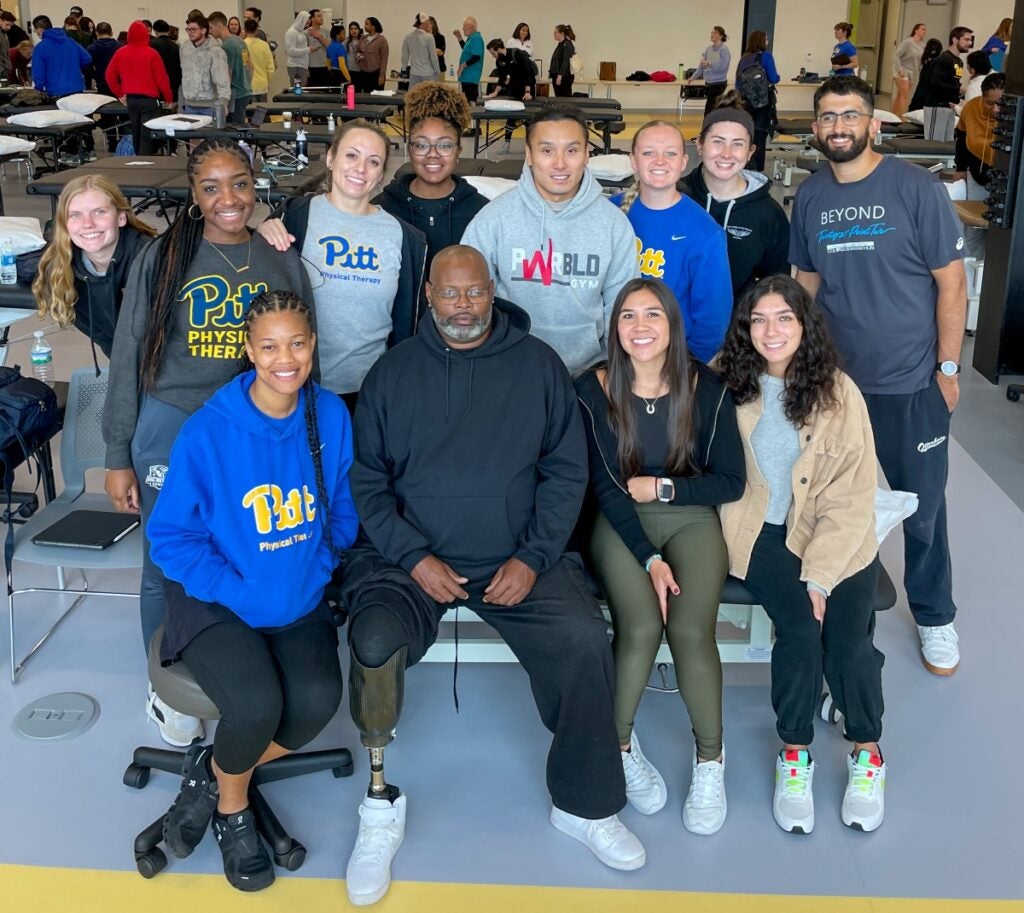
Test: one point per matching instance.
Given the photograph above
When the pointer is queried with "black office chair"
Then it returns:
(176, 686)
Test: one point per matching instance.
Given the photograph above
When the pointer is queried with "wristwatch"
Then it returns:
(666, 490)
(949, 368)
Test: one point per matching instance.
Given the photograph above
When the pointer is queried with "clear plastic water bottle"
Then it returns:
(8, 264)
(330, 123)
(42, 359)
(297, 88)
(451, 71)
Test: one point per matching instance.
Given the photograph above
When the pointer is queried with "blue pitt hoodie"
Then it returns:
(58, 62)
(237, 522)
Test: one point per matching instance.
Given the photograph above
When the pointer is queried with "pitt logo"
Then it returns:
(652, 262)
(212, 304)
(338, 251)
(272, 509)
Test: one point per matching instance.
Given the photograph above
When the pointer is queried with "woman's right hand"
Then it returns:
(122, 488)
(663, 583)
(558, 79)
(276, 235)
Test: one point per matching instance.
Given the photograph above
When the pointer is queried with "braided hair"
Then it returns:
(278, 302)
(176, 251)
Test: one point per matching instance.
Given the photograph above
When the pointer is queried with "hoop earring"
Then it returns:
(194, 218)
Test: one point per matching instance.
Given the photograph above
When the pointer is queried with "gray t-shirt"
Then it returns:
(317, 50)
(874, 243)
(776, 446)
(353, 264)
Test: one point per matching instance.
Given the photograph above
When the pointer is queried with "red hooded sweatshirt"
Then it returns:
(136, 69)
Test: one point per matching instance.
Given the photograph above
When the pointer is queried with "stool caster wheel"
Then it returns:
(1013, 394)
(151, 863)
(293, 859)
(136, 777)
(828, 710)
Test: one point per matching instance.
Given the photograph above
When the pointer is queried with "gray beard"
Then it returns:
(468, 333)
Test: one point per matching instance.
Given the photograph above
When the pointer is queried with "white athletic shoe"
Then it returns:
(645, 787)
(381, 830)
(864, 801)
(793, 805)
(506, 149)
(705, 807)
(177, 729)
(607, 838)
(939, 648)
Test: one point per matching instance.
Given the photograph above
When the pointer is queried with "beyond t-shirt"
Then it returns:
(353, 264)
(874, 243)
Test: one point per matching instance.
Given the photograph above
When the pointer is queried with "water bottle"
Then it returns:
(301, 147)
(451, 71)
(42, 359)
(297, 88)
(680, 72)
(8, 264)
(330, 123)
(350, 96)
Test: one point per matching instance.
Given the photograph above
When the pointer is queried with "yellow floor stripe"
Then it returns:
(31, 889)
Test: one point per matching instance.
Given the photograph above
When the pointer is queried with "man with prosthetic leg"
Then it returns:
(469, 473)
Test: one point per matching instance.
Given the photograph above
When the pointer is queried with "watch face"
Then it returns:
(949, 368)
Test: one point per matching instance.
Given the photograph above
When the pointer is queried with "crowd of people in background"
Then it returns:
(730, 416)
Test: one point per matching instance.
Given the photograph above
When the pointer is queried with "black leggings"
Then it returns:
(282, 687)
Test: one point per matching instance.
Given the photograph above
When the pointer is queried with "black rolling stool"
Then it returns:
(178, 689)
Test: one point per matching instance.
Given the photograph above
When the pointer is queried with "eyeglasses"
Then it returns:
(445, 148)
(451, 295)
(192, 28)
(849, 118)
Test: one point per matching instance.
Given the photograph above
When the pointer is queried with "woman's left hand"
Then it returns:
(643, 489)
(275, 234)
(817, 605)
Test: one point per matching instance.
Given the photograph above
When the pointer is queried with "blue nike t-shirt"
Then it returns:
(874, 243)
(850, 50)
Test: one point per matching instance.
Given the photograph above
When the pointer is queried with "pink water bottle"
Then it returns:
(350, 96)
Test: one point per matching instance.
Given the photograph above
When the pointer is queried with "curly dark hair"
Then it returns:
(435, 99)
(810, 376)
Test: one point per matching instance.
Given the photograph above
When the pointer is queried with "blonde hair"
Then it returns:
(54, 284)
(632, 193)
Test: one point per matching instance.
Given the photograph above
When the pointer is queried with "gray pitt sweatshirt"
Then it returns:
(206, 340)
(564, 267)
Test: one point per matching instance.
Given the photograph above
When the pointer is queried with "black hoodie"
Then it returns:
(442, 221)
(756, 228)
(474, 456)
(99, 297)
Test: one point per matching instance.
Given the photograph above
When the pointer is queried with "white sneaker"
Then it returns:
(705, 806)
(645, 787)
(381, 830)
(177, 729)
(506, 149)
(939, 648)
(793, 805)
(864, 800)
(607, 838)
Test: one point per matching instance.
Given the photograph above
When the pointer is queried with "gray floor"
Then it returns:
(477, 802)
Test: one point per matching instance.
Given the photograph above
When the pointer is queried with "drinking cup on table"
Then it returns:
(287, 115)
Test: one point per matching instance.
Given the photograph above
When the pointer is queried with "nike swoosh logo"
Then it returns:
(678, 237)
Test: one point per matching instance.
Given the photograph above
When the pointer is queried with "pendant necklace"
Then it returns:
(237, 269)
(650, 405)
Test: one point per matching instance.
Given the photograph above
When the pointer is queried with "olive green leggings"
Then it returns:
(690, 540)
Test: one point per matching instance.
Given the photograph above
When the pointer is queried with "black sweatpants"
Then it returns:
(559, 636)
(279, 687)
(912, 443)
(715, 91)
(843, 647)
(140, 109)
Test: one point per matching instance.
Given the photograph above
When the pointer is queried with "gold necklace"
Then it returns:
(237, 269)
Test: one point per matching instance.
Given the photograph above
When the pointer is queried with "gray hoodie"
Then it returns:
(564, 268)
(205, 76)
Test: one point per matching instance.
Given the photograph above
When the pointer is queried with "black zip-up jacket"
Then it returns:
(99, 297)
(515, 74)
(756, 228)
(560, 58)
(441, 221)
(474, 456)
(411, 295)
(718, 452)
(943, 85)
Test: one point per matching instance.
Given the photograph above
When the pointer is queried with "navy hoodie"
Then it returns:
(474, 456)
(238, 519)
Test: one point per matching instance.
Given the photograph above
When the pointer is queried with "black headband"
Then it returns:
(736, 115)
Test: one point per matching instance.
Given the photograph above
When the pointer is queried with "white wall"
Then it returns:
(983, 16)
(805, 28)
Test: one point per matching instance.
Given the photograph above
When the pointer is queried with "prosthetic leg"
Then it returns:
(375, 700)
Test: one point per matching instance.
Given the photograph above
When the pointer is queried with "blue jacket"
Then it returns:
(58, 62)
(238, 521)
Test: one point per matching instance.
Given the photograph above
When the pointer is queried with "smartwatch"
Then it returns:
(666, 490)
(949, 368)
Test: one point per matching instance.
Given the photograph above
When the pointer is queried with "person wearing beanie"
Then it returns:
(738, 198)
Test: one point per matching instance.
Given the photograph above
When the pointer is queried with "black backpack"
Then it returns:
(754, 86)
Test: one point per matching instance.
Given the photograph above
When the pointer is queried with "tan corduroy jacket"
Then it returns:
(831, 523)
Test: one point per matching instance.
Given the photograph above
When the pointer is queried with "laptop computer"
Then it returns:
(96, 529)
